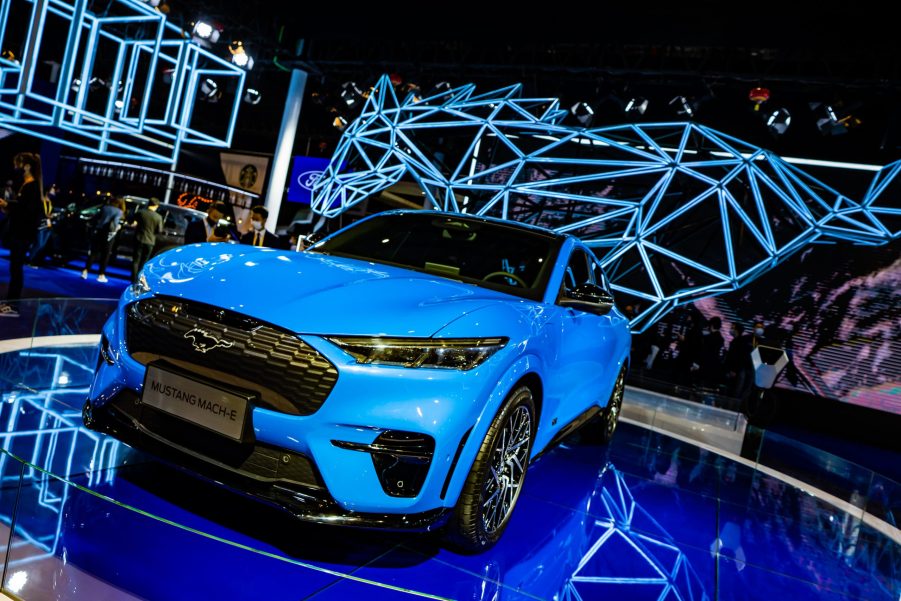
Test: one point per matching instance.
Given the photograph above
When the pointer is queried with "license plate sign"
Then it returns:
(207, 406)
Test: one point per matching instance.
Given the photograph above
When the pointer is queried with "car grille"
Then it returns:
(290, 375)
(252, 459)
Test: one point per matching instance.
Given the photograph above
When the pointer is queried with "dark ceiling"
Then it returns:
(845, 55)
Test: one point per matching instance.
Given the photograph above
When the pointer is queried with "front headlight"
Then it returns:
(451, 353)
(140, 286)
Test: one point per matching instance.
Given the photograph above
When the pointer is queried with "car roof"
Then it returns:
(478, 218)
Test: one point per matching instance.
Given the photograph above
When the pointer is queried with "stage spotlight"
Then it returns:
(833, 120)
(240, 56)
(339, 123)
(206, 32)
(778, 121)
(414, 89)
(209, 90)
(351, 94)
(636, 106)
(683, 106)
(583, 113)
(252, 96)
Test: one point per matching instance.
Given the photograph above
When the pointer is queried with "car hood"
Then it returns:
(312, 293)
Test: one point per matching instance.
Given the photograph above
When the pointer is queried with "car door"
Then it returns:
(586, 343)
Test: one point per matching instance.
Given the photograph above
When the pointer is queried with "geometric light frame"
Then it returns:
(150, 74)
(643, 197)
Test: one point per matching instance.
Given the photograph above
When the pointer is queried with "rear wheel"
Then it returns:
(610, 415)
(497, 475)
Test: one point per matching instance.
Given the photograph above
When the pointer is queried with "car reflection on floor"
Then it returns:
(645, 517)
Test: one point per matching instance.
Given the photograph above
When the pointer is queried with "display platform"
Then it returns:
(650, 516)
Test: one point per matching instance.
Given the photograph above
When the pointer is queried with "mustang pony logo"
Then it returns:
(203, 341)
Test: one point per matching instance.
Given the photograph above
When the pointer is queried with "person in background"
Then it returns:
(106, 225)
(258, 236)
(44, 230)
(24, 214)
(738, 364)
(689, 348)
(711, 356)
(206, 229)
(148, 223)
(758, 336)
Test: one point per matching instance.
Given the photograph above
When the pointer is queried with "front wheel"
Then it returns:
(497, 475)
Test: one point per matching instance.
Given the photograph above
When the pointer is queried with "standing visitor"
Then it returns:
(148, 223)
(105, 226)
(23, 217)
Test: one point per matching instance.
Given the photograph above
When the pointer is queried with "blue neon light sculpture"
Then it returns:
(123, 83)
(42, 428)
(648, 558)
(676, 211)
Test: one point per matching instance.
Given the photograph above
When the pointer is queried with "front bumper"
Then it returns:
(342, 438)
(278, 477)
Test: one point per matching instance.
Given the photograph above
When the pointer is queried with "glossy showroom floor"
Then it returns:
(648, 517)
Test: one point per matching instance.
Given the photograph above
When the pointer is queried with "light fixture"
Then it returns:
(351, 94)
(339, 123)
(834, 119)
(583, 113)
(252, 96)
(240, 56)
(636, 106)
(210, 90)
(413, 89)
(683, 106)
(206, 32)
(778, 121)
(758, 96)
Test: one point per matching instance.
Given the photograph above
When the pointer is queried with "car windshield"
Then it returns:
(502, 257)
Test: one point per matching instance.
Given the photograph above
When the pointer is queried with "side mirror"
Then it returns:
(589, 298)
(309, 240)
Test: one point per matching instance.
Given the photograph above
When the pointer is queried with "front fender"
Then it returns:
(528, 364)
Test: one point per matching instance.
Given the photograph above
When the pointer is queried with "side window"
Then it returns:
(176, 221)
(577, 272)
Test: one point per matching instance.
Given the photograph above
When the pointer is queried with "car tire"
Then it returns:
(494, 483)
(609, 417)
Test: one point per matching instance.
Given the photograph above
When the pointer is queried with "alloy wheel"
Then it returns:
(509, 461)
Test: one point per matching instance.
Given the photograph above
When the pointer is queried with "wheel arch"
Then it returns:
(523, 371)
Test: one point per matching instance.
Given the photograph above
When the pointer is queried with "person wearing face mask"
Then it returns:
(257, 235)
(758, 337)
(24, 214)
